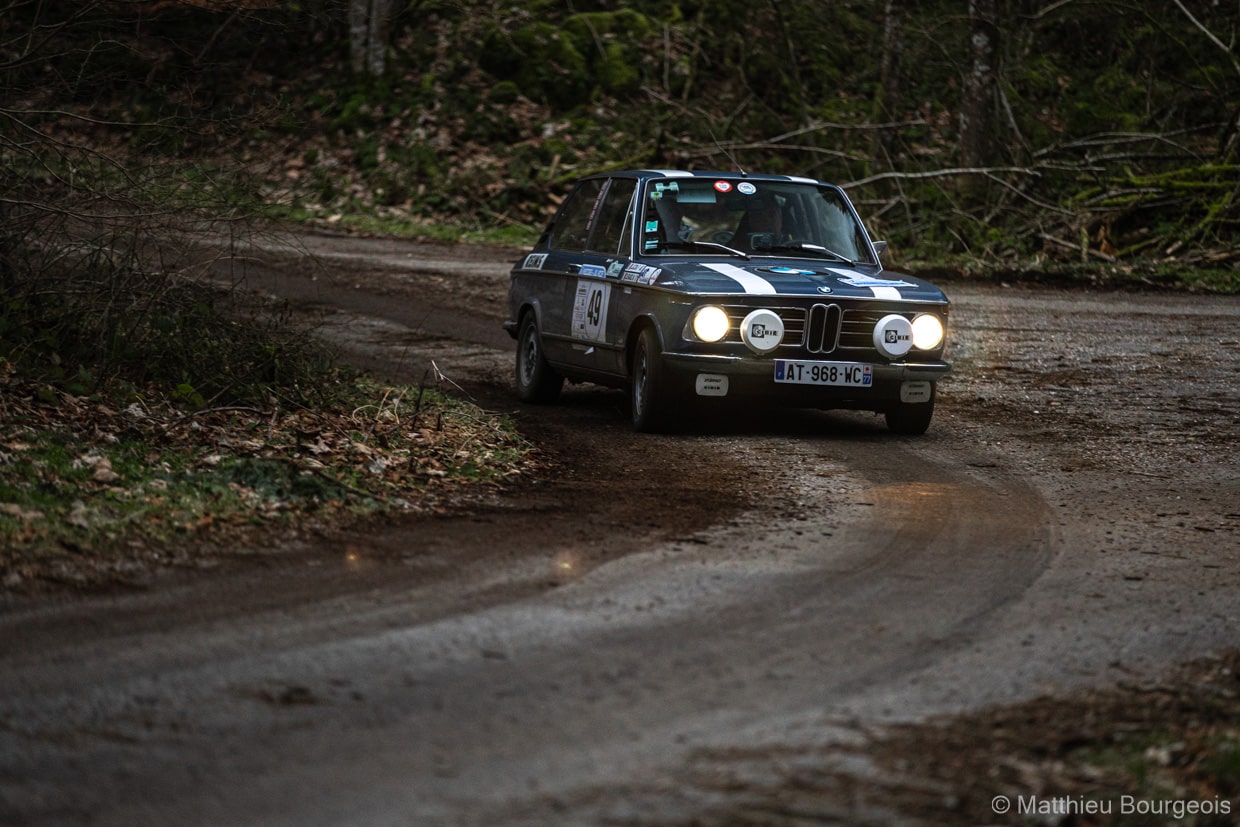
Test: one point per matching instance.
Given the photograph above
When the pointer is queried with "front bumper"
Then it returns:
(750, 377)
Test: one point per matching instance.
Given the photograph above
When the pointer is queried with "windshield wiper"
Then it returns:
(805, 246)
(693, 245)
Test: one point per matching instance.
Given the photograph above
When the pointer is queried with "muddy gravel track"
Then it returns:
(641, 634)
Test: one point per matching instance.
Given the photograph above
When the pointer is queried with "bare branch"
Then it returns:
(14, 113)
(34, 50)
(814, 150)
(821, 125)
(1052, 7)
(941, 173)
(1235, 64)
(1120, 138)
(43, 140)
(96, 217)
(1084, 251)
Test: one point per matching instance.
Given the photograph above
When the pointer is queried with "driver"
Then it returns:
(762, 225)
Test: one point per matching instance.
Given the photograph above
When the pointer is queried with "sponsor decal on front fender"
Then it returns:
(881, 288)
(641, 273)
(866, 281)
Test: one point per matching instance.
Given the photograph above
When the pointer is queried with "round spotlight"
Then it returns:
(762, 331)
(927, 332)
(893, 336)
(710, 323)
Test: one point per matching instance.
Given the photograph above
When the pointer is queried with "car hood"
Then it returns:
(799, 278)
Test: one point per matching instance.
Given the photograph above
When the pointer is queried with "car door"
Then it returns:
(588, 252)
(609, 251)
(559, 269)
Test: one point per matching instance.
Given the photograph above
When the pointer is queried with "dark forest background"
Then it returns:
(145, 145)
(986, 132)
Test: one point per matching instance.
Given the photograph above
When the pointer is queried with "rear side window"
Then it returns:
(572, 224)
(612, 225)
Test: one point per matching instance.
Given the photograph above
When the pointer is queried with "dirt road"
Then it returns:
(648, 632)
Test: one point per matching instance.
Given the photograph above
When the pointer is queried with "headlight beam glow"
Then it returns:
(710, 323)
(927, 332)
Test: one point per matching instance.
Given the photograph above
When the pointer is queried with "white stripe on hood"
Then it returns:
(751, 283)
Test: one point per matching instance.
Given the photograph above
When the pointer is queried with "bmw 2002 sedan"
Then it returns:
(710, 286)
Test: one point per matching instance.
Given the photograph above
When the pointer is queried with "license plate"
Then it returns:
(834, 374)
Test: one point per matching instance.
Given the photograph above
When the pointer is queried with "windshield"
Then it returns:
(750, 218)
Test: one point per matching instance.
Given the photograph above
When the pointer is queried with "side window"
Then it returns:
(572, 224)
(610, 229)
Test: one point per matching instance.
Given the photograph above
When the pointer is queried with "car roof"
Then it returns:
(735, 175)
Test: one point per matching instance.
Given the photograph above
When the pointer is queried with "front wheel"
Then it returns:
(648, 387)
(537, 381)
(911, 419)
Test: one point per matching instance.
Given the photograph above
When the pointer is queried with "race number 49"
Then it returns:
(590, 310)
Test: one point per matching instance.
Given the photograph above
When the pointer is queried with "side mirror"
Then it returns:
(880, 248)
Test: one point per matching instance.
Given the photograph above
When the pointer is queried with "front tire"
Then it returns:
(911, 419)
(537, 381)
(647, 384)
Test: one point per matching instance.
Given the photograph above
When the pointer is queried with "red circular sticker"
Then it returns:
(723, 186)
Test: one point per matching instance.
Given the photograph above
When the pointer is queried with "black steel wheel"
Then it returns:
(648, 387)
(537, 381)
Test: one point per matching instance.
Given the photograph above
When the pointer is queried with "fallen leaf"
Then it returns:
(15, 510)
(104, 472)
(79, 515)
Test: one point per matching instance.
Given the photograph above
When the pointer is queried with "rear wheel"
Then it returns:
(648, 386)
(537, 381)
(911, 419)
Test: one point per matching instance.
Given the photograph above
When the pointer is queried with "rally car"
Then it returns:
(714, 286)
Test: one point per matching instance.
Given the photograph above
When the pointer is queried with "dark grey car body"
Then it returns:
(609, 293)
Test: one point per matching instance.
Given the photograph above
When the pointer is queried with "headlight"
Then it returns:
(927, 332)
(710, 323)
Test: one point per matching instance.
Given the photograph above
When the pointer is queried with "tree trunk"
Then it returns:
(793, 64)
(977, 100)
(1229, 145)
(887, 104)
(368, 36)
